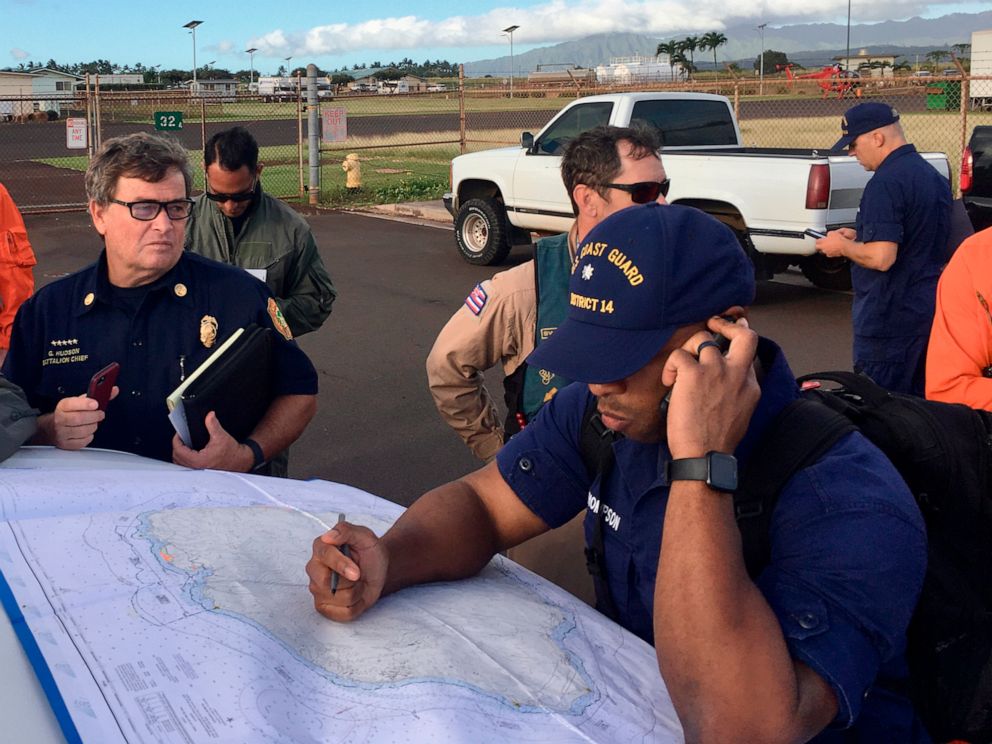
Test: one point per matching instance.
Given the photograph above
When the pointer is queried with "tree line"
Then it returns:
(155, 75)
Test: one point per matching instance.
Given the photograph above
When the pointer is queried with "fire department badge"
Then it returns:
(278, 320)
(208, 330)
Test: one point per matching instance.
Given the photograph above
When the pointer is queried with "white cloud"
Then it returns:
(19, 54)
(225, 46)
(556, 21)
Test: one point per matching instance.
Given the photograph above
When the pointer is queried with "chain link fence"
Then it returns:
(404, 142)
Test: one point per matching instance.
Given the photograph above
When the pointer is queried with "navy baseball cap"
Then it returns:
(864, 118)
(640, 275)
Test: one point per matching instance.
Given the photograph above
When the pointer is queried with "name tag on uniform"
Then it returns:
(259, 274)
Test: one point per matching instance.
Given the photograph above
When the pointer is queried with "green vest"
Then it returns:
(552, 270)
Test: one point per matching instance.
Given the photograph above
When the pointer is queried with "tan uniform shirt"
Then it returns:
(494, 325)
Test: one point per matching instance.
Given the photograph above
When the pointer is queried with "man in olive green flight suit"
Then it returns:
(235, 222)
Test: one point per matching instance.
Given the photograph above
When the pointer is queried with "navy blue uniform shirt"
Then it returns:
(848, 544)
(906, 202)
(75, 326)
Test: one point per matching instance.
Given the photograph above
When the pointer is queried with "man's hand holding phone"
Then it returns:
(73, 423)
(713, 394)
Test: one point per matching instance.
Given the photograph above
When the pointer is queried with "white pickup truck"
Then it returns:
(768, 196)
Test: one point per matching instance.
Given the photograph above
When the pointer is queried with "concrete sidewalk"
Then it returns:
(428, 211)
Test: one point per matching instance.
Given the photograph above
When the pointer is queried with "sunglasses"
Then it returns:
(241, 197)
(644, 192)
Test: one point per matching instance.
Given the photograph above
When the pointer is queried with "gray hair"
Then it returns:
(140, 155)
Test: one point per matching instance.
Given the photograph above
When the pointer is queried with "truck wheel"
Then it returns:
(482, 233)
(826, 272)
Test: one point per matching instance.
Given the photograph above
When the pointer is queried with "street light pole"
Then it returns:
(509, 30)
(761, 61)
(847, 61)
(251, 66)
(192, 29)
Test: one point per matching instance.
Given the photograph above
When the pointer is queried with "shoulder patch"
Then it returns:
(476, 300)
(278, 320)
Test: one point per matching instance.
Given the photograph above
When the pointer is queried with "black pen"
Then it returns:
(346, 553)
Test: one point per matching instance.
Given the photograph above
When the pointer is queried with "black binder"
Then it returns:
(235, 382)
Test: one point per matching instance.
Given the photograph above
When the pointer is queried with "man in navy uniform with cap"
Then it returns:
(897, 250)
(158, 312)
(789, 656)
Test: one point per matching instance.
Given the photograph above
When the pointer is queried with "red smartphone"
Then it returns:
(102, 384)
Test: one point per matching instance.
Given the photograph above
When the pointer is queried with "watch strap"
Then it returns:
(689, 468)
(256, 451)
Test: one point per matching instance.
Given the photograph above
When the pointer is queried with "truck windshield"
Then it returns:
(575, 121)
(688, 123)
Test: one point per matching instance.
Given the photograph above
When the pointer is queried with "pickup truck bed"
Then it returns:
(768, 196)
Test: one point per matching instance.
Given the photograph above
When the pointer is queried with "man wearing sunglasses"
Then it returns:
(158, 312)
(505, 318)
(237, 223)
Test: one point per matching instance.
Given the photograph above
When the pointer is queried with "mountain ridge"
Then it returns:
(808, 43)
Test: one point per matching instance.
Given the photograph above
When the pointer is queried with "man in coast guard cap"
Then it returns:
(897, 250)
(780, 657)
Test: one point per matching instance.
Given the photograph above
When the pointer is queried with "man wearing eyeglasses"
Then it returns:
(158, 312)
(505, 318)
(237, 223)
(604, 170)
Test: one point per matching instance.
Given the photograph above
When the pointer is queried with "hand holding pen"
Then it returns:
(347, 570)
(335, 576)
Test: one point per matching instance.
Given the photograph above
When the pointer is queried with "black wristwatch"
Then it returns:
(716, 469)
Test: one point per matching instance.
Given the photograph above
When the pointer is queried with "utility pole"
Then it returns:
(251, 66)
(509, 30)
(761, 61)
(192, 29)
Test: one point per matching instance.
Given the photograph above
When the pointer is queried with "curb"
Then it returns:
(428, 211)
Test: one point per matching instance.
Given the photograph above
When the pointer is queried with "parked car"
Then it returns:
(976, 177)
(770, 197)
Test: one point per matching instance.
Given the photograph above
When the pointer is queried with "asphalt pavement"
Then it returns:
(399, 278)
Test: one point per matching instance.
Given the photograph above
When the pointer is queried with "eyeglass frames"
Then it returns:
(147, 210)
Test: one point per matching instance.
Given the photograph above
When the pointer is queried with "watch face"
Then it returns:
(723, 471)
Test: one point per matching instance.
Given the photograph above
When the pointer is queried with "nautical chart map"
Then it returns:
(173, 607)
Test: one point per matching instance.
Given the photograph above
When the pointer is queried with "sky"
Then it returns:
(340, 34)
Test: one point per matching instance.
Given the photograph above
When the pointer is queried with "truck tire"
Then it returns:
(482, 232)
(826, 272)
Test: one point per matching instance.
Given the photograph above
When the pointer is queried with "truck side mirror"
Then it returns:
(527, 141)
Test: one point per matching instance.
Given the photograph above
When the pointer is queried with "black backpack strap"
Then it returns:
(596, 446)
(799, 436)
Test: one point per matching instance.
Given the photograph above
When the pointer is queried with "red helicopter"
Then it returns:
(833, 79)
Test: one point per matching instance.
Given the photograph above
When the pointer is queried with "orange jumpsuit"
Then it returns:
(16, 260)
(959, 357)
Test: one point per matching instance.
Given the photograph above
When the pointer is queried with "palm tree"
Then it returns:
(671, 48)
(680, 59)
(937, 55)
(712, 40)
(691, 44)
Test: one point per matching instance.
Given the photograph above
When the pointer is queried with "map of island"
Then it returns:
(173, 607)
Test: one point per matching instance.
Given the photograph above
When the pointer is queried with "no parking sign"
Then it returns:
(75, 134)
